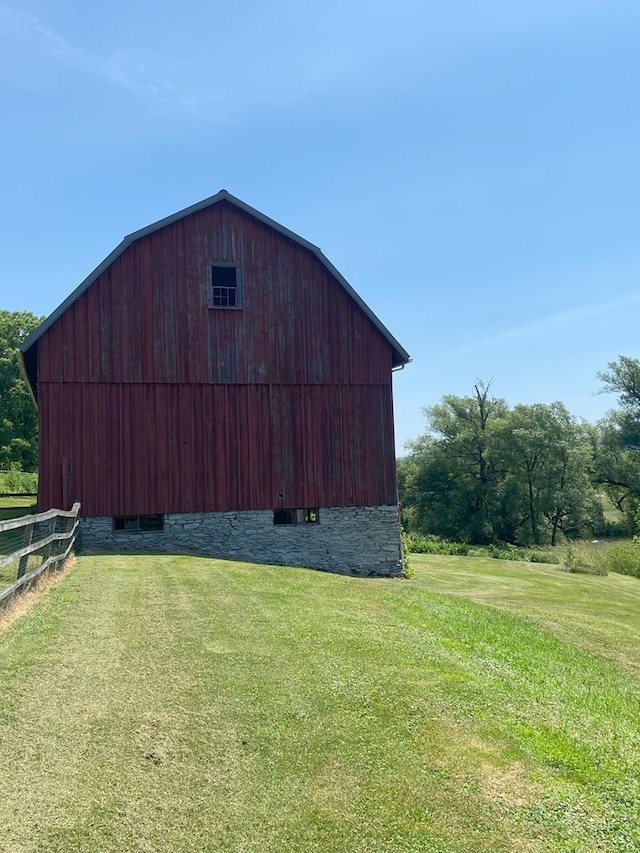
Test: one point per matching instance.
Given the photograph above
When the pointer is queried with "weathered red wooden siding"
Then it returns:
(152, 402)
(146, 318)
(140, 448)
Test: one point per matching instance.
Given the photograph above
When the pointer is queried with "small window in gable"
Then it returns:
(224, 286)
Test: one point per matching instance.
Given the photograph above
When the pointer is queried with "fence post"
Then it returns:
(51, 528)
(27, 539)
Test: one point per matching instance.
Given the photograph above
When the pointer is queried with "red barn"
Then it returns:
(216, 386)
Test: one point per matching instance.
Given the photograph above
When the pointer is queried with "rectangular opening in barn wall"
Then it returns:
(224, 286)
(296, 516)
(139, 523)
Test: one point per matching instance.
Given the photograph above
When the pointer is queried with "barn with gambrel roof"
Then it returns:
(216, 386)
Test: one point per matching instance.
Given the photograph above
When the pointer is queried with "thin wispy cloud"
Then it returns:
(32, 48)
(232, 63)
(571, 318)
(198, 81)
(288, 56)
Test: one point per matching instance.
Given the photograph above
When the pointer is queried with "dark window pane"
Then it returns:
(283, 516)
(139, 522)
(225, 276)
(223, 297)
(152, 522)
(127, 522)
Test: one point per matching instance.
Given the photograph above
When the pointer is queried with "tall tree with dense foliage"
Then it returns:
(18, 416)
(483, 472)
(547, 461)
(448, 483)
(618, 456)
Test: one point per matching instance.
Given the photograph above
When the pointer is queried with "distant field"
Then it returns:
(611, 512)
(15, 507)
(182, 704)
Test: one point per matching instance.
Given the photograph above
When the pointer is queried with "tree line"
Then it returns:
(18, 415)
(532, 474)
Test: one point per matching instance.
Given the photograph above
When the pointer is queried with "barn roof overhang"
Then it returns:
(400, 355)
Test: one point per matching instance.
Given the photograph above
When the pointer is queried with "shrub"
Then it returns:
(497, 551)
(541, 557)
(432, 545)
(624, 558)
(505, 551)
(583, 558)
(572, 562)
(18, 482)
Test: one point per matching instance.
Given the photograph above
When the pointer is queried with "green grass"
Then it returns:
(611, 513)
(20, 501)
(15, 507)
(9, 573)
(598, 614)
(181, 704)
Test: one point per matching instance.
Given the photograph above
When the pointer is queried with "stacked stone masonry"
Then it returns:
(348, 540)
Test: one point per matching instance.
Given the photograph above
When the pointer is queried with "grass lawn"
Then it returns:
(15, 507)
(182, 704)
(20, 501)
(9, 573)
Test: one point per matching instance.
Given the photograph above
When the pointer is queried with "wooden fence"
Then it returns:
(18, 494)
(33, 544)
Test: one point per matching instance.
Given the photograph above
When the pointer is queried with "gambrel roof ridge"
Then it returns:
(400, 355)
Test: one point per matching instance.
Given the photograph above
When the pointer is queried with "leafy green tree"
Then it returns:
(18, 416)
(483, 473)
(547, 459)
(448, 483)
(618, 440)
(623, 377)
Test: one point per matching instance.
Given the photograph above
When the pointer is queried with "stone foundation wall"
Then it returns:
(348, 540)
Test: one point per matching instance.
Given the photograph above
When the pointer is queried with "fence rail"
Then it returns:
(18, 494)
(33, 544)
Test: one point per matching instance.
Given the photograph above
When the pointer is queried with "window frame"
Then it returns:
(138, 523)
(211, 265)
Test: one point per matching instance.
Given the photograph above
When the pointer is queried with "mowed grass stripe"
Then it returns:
(183, 704)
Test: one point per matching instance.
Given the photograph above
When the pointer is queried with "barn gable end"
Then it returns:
(216, 363)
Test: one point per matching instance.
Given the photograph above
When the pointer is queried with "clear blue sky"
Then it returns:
(473, 169)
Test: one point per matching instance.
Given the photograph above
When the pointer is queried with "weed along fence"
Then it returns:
(33, 544)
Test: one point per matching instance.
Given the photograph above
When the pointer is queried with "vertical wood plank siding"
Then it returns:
(141, 448)
(150, 401)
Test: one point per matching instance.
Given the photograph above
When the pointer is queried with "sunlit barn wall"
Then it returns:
(150, 401)
(154, 404)
(132, 449)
